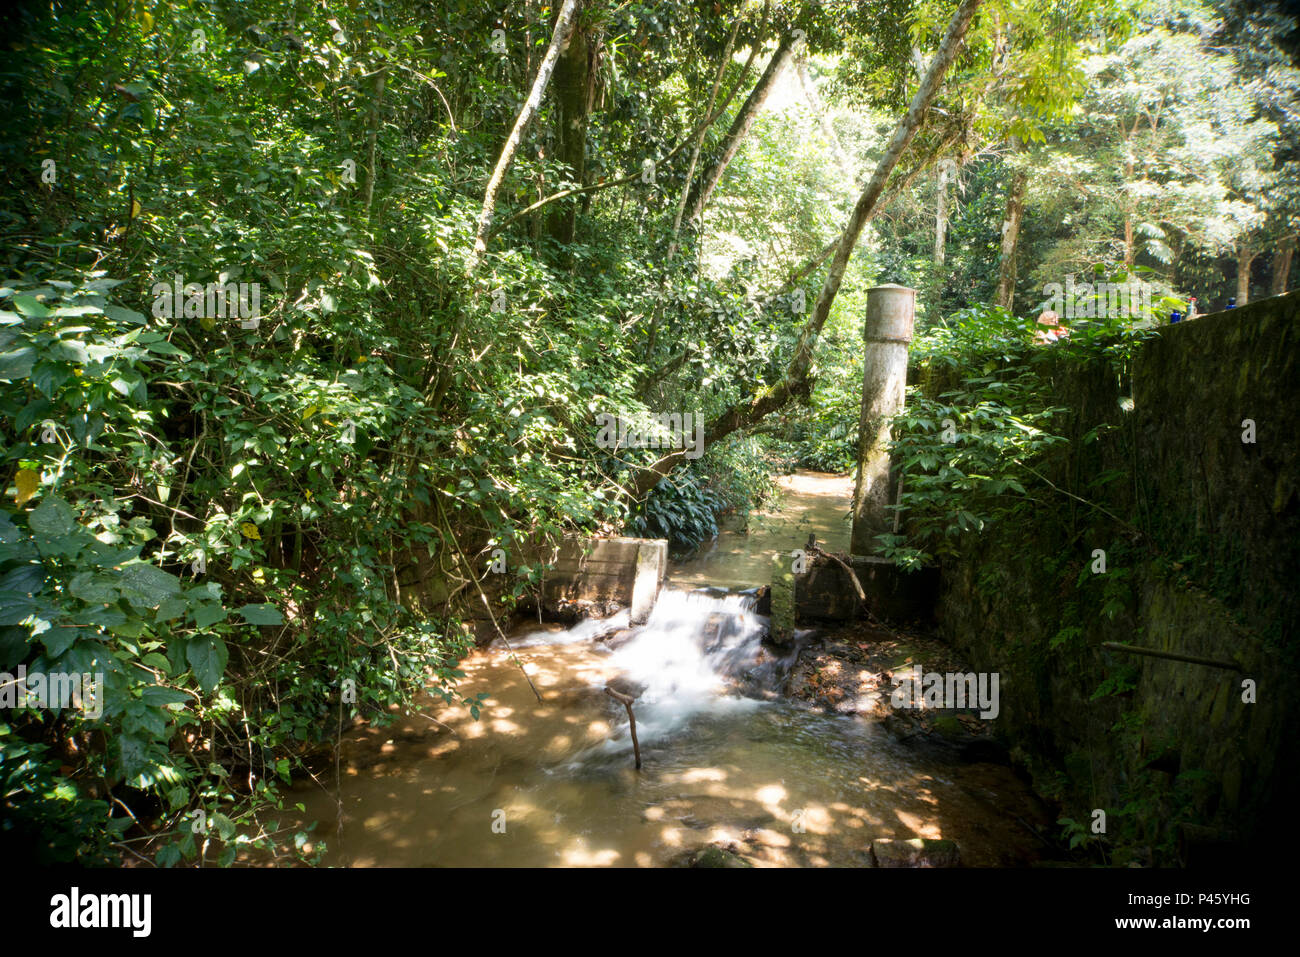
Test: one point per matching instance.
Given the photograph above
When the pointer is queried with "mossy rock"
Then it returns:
(948, 726)
(714, 856)
(781, 627)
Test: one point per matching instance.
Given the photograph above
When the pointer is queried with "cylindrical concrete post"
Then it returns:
(891, 310)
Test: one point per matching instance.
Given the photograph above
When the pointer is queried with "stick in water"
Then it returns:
(626, 702)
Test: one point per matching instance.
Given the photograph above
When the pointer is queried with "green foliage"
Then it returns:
(1120, 682)
(965, 455)
(236, 522)
(975, 454)
(46, 818)
(681, 511)
(1077, 834)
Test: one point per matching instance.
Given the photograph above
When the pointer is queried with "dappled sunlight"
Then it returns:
(552, 783)
(582, 857)
(771, 794)
(918, 826)
(817, 820)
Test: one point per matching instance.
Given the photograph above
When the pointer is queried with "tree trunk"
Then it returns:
(740, 126)
(1130, 210)
(695, 150)
(373, 138)
(563, 25)
(946, 169)
(1006, 294)
(573, 99)
(750, 410)
(1245, 259)
(1282, 266)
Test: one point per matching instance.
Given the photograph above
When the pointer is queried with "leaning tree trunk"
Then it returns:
(750, 410)
(1006, 293)
(372, 138)
(1282, 266)
(740, 127)
(563, 24)
(699, 142)
(1245, 259)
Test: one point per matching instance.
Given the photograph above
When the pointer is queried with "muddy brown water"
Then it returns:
(552, 784)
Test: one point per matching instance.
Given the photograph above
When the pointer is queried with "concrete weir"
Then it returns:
(826, 593)
(628, 571)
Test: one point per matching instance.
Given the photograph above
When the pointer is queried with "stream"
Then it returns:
(726, 758)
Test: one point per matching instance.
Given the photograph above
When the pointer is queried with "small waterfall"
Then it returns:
(695, 645)
(698, 652)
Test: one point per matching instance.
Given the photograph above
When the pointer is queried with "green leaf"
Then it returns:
(59, 640)
(28, 306)
(207, 655)
(52, 519)
(23, 580)
(147, 586)
(262, 615)
(224, 825)
(166, 348)
(172, 608)
(95, 588)
(17, 364)
(209, 614)
(124, 315)
(158, 695)
(13, 646)
(71, 350)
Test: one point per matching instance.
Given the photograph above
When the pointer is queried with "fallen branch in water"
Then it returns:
(626, 701)
(812, 548)
(816, 549)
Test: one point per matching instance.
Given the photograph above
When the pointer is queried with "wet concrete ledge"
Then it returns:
(625, 571)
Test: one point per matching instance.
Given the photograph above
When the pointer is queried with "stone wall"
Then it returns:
(1202, 543)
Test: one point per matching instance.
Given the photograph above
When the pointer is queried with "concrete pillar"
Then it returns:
(651, 567)
(891, 310)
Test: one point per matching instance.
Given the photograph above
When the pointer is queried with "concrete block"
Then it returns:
(628, 571)
(651, 567)
(826, 593)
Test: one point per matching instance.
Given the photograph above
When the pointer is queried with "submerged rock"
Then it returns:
(714, 856)
(618, 638)
(916, 852)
